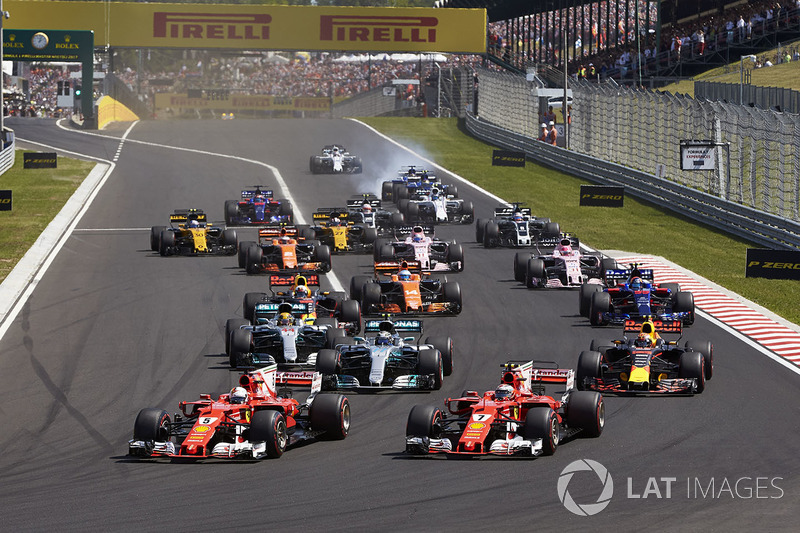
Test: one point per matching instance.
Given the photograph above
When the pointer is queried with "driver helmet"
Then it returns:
(285, 239)
(564, 246)
(404, 275)
(194, 223)
(384, 338)
(518, 216)
(284, 319)
(335, 221)
(238, 395)
(366, 208)
(636, 284)
(301, 291)
(335, 150)
(504, 392)
(643, 341)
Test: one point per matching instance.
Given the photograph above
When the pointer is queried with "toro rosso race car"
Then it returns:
(405, 293)
(566, 266)
(281, 250)
(189, 233)
(644, 362)
(630, 294)
(335, 160)
(334, 228)
(387, 360)
(257, 207)
(303, 290)
(516, 418)
(514, 227)
(433, 206)
(432, 254)
(251, 422)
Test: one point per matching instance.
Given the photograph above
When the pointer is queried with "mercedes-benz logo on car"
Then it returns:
(587, 509)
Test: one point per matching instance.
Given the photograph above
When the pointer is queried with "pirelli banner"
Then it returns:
(179, 103)
(772, 264)
(259, 27)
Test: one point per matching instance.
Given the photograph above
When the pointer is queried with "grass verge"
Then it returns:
(38, 195)
(639, 227)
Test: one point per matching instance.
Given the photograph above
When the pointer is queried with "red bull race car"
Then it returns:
(516, 418)
(251, 422)
(643, 362)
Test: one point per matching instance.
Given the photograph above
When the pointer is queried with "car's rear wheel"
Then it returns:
(231, 211)
(521, 265)
(452, 294)
(491, 234)
(588, 368)
(386, 191)
(155, 237)
(357, 286)
(351, 312)
(254, 258)
(328, 362)
(480, 225)
(249, 304)
(371, 296)
(585, 297)
(269, 427)
(230, 238)
(684, 303)
(242, 252)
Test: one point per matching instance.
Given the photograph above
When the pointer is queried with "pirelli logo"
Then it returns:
(375, 29)
(210, 26)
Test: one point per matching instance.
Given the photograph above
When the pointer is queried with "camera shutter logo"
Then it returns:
(587, 509)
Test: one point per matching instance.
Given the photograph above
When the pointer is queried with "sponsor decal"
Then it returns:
(212, 26)
(39, 160)
(602, 196)
(472, 434)
(378, 29)
(506, 158)
(698, 155)
(202, 429)
(5, 200)
(476, 425)
(772, 264)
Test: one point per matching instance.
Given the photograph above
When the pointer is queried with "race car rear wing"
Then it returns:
(660, 326)
(267, 310)
(551, 241)
(620, 274)
(393, 267)
(354, 203)
(246, 195)
(426, 229)
(523, 375)
(182, 215)
(326, 213)
(277, 231)
(506, 212)
(284, 280)
(375, 326)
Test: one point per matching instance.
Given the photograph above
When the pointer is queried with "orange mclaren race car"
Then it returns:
(516, 418)
(281, 250)
(250, 422)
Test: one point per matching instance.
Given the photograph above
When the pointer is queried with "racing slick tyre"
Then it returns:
(534, 273)
(370, 235)
(358, 166)
(600, 303)
(490, 234)
(231, 239)
(445, 347)
(586, 410)
(541, 423)
(607, 263)
(601, 345)
(285, 209)
(424, 421)
(249, 304)
(707, 349)
(452, 190)
(386, 191)
(376, 248)
(328, 362)
(551, 229)
(351, 312)
(332, 335)
(313, 165)
(430, 363)
(330, 413)
(674, 288)
(322, 254)
(585, 297)
(155, 237)
(357, 286)
(402, 205)
(232, 325)
(467, 212)
(452, 294)
(243, 246)
(253, 259)
(151, 425)
(241, 345)
(690, 365)
(480, 225)
(231, 212)
(402, 192)
(269, 427)
(412, 212)
(370, 296)
(684, 303)
(521, 265)
(588, 367)
(166, 242)
(330, 323)
(398, 220)
(455, 254)
(306, 233)
(385, 253)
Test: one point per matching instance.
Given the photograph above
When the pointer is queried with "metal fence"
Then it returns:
(642, 130)
(786, 100)
(8, 147)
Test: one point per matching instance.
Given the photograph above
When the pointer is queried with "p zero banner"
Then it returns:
(259, 27)
(5, 200)
(602, 195)
(505, 158)
(773, 264)
(39, 160)
(181, 102)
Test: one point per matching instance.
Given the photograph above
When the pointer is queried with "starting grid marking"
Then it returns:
(773, 336)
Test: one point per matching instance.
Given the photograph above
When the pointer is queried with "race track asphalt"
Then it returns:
(113, 327)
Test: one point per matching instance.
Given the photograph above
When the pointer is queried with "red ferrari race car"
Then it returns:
(280, 249)
(251, 422)
(517, 418)
(646, 363)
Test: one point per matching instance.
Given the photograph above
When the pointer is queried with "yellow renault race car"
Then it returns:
(190, 233)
